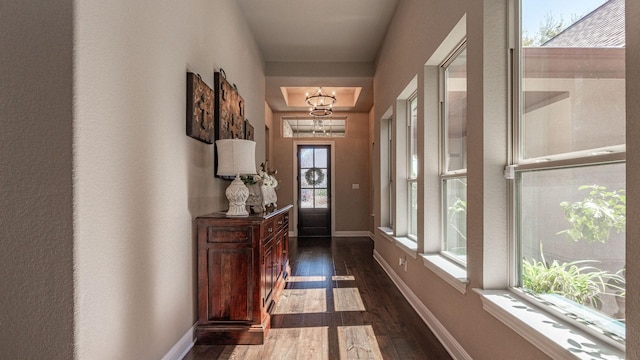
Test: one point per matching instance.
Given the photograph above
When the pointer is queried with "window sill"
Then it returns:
(452, 273)
(407, 245)
(386, 232)
(557, 339)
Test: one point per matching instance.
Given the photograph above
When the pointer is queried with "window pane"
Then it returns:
(456, 113)
(573, 76)
(323, 183)
(321, 158)
(321, 198)
(306, 198)
(413, 138)
(572, 240)
(338, 128)
(303, 179)
(306, 158)
(455, 208)
(313, 127)
(413, 208)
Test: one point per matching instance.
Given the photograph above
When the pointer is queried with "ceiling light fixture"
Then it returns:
(321, 111)
(320, 103)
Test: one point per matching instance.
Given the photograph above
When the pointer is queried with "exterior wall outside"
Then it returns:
(36, 182)
(139, 181)
(352, 167)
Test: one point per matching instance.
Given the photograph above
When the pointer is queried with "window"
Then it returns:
(390, 157)
(398, 131)
(569, 162)
(453, 168)
(313, 127)
(412, 166)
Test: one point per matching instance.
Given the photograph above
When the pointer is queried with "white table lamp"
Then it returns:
(236, 157)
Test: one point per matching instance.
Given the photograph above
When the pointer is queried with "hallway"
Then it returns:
(338, 304)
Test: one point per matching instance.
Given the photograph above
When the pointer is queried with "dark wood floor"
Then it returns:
(338, 304)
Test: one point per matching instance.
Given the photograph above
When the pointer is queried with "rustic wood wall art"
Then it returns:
(199, 109)
(228, 109)
(248, 131)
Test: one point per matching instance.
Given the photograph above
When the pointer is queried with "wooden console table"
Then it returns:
(242, 266)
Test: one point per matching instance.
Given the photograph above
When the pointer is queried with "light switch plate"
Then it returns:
(355, 186)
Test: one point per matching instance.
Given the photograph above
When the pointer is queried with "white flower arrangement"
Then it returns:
(267, 180)
(264, 178)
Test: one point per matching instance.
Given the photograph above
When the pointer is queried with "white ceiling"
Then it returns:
(331, 43)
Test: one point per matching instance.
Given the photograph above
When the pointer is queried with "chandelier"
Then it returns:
(320, 103)
(320, 111)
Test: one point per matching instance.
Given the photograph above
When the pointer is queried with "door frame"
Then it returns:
(294, 228)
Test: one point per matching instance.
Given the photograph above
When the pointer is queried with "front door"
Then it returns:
(314, 190)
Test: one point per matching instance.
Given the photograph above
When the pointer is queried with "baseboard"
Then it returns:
(446, 339)
(182, 347)
(372, 236)
(344, 234)
(351, 234)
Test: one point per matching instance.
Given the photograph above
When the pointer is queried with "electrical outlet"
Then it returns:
(402, 261)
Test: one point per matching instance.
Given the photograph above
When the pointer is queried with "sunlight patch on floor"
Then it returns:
(306, 278)
(358, 342)
(347, 299)
(302, 301)
(343, 278)
(312, 343)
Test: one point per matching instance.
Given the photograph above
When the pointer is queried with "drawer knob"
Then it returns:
(270, 230)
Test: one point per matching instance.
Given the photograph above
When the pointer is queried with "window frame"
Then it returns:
(519, 165)
(411, 178)
(430, 242)
(445, 173)
(390, 158)
(330, 134)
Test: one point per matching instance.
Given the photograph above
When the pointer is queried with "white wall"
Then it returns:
(139, 180)
(36, 223)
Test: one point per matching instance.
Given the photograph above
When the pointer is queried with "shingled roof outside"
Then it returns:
(603, 27)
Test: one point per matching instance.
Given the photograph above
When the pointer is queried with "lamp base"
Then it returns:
(237, 194)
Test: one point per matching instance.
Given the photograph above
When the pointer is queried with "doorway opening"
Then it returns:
(314, 190)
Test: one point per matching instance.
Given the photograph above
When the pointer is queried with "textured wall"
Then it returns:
(139, 180)
(352, 167)
(36, 225)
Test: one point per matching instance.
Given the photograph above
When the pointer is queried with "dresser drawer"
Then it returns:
(219, 234)
(268, 229)
(281, 221)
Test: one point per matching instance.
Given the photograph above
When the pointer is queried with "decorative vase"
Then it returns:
(254, 201)
(269, 197)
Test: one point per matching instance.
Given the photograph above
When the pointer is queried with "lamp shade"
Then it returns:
(236, 157)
